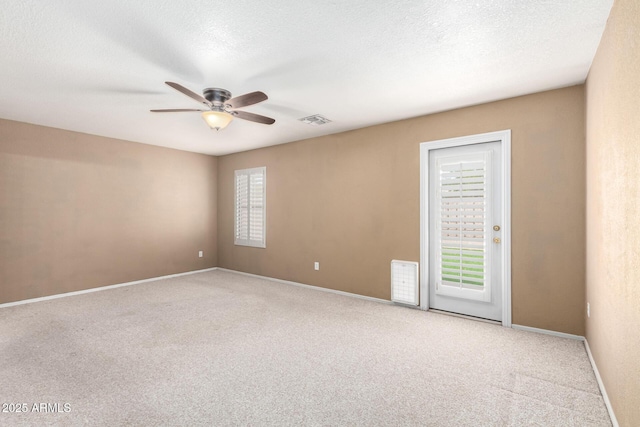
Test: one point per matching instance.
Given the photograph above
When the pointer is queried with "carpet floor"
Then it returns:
(218, 348)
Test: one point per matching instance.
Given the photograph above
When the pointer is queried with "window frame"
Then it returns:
(262, 243)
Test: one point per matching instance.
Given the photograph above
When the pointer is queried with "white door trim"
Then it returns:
(504, 136)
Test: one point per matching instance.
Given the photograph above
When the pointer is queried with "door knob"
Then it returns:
(496, 240)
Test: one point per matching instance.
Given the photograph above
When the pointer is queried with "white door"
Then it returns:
(465, 230)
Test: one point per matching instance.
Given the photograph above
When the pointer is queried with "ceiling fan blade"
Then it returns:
(189, 93)
(247, 99)
(175, 110)
(253, 117)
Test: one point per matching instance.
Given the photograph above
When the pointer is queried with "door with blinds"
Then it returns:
(464, 230)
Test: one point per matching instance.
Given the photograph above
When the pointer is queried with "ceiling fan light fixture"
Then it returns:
(217, 119)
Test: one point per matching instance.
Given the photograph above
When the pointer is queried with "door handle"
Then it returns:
(496, 240)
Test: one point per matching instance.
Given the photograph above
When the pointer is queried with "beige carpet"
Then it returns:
(218, 348)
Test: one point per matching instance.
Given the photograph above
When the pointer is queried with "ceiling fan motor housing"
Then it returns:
(216, 95)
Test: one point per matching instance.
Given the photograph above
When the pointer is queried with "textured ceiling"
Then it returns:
(98, 67)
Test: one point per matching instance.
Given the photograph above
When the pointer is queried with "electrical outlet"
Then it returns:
(316, 265)
(588, 310)
(200, 254)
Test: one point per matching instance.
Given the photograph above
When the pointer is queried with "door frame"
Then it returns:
(504, 136)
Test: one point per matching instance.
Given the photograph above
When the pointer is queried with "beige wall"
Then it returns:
(351, 202)
(80, 211)
(613, 210)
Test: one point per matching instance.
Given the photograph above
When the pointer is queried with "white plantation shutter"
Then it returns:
(242, 206)
(256, 206)
(462, 223)
(250, 215)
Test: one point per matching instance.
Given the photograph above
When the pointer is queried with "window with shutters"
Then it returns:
(250, 214)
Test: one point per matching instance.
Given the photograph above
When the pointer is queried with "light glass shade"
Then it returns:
(217, 119)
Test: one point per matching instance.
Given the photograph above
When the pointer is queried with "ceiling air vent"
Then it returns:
(315, 120)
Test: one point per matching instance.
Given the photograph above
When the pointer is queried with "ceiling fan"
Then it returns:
(222, 107)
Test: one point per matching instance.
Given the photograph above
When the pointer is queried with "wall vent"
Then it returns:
(404, 282)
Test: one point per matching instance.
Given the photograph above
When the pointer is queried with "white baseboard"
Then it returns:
(605, 397)
(101, 288)
(302, 285)
(548, 332)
